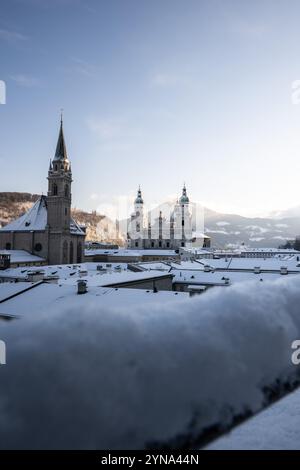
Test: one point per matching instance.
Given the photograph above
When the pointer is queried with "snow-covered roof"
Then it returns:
(222, 277)
(75, 228)
(34, 219)
(198, 234)
(268, 264)
(270, 250)
(130, 253)
(46, 297)
(112, 252)
(61, 271)
(106, 279)
(21, 256)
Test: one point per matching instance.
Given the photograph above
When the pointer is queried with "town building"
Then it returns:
(166, 232)
(47, 230)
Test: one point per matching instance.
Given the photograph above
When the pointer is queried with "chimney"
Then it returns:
(81, 287)
(283, 270)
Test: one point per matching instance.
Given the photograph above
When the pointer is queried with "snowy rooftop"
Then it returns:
(123, 277)
(221, 277)
(62, 271)
(21, 256)
(274, 263)
(129, 252)
(97, 274)
(243, 264)
(36, 219)
(44, 297)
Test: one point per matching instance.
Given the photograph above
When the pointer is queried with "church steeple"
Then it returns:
(61, 150)
(59, 187)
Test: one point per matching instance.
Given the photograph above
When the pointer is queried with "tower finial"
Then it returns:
(61, 116)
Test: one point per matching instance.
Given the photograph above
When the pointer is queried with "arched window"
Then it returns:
(54, 189)
(79, 252)
(55, 167)
(65, 252)
(66, 190)
(71, 252)
(8, 246)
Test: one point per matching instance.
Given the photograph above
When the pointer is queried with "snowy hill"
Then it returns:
(13, 205)
(232, 229)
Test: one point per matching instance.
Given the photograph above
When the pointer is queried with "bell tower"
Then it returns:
(59, 188)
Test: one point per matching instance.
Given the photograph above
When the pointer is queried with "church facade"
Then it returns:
(47, 229)
(171, 232)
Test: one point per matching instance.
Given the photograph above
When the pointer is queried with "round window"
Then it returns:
(38, 247)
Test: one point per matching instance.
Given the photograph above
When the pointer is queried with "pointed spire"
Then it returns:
(61, 151)
(50, 165)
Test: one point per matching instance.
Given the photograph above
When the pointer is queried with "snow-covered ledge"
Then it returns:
(128, 376)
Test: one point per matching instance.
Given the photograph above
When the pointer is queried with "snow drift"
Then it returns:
(129, 377)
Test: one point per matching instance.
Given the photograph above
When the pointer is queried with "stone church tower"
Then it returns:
(64, 247)
(59, 188)
(47, 229)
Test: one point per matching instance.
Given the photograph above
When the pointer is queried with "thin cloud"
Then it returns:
(25, 80)
(168, 80)
(11, 36)
(108, 129)
(83, 67)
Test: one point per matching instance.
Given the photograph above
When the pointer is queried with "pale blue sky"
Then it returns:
(154, 92)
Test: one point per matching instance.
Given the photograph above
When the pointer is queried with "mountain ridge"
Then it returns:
(226, 230)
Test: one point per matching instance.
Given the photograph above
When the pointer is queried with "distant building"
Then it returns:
(47, 229)
(165, 233)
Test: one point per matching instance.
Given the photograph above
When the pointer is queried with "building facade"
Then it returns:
(170, 232)
(47, 229)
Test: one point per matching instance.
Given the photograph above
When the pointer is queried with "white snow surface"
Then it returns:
(276, 428)
(88, 374)
(21, 256)
(36, 219)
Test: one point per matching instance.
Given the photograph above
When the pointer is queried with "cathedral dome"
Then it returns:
(139, 199)
(184, 198)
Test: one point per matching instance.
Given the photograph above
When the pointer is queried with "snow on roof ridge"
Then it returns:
(34, 219)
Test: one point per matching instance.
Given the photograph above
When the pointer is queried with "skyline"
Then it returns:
(199, 93)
